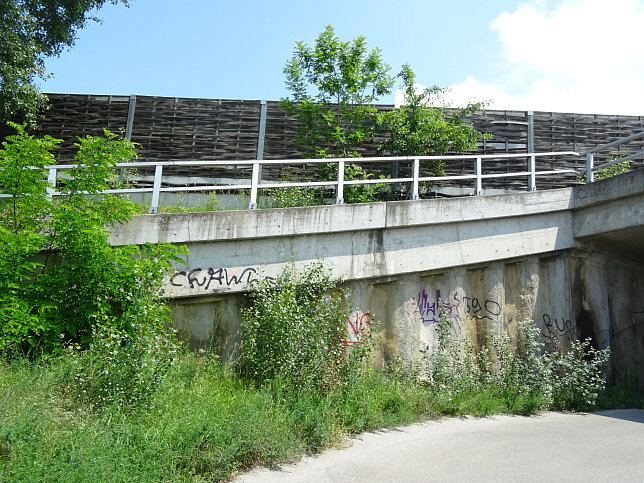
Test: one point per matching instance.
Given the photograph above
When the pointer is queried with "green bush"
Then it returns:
(294, 328)
(610, 171)
(294, 196)
(516, 376)
(60, 279)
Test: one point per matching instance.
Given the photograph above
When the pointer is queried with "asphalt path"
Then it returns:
(606, 446)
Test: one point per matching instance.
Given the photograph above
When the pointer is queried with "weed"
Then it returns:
(516, 376)
(610, 171)
(294, 329)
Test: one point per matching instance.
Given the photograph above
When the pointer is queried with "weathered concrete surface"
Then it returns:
(597, 447)
(610, 214)
(228, 249)
(569, 295)
(571, 260)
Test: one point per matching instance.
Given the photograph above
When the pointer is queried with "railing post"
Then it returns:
(479, 181)
(51, 179)
(156, 189)
(533, 173)
(530, 145)
(130, 117)
(589, 167)
(414, 189)
(339, 192)
(254, 181)
(261, 135)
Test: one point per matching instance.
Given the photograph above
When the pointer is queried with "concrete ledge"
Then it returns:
(617, 187)
(423, 212)
(229, 249)
(610, 216)
(244, 224)
(250, 224)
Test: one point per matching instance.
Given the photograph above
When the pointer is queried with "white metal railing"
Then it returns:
(590, 156)
(255, 183)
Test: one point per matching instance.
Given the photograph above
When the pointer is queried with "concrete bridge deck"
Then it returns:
(375, 240)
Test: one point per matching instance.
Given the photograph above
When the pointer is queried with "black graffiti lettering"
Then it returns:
(476, 311)
(493, 307)
(565, 325)
(215, 277)
(192, 278)
(555, 331)
(476, 305)
(216, 274)
(174, 276)
(236, 280)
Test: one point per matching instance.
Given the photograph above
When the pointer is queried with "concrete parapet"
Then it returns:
(555, 257)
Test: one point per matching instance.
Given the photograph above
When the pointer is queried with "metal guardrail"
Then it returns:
(590, 156)
(255, 184)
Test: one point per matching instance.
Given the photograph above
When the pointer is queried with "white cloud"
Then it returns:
(575, 56)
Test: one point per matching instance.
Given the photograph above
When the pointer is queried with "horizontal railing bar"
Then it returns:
(302, 184)
(619, 160)
(232, 187)
(615, 143)
(501, 175)
(375, 159)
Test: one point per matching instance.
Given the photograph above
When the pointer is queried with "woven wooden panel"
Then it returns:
(169, 128)
(71, 116)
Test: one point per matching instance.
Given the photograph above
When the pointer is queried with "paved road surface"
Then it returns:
(606, 446)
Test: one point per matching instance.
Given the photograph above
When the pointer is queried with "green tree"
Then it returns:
(60, 278)
(333, 86)
(418, 127)
(31, 31)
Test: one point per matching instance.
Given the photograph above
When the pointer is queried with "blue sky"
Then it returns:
(560, 55)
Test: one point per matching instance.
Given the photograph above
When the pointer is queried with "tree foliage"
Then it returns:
(333, 86)
(419, 127)
(31, 31)
(60, 278)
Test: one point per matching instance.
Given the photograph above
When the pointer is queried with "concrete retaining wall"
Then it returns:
(571, 260)
(568, 295)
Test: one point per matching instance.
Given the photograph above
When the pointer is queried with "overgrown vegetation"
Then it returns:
(334, 85)
(296, 332)
(301, 384)
(516, 376)
(61, 281)
(610, 171)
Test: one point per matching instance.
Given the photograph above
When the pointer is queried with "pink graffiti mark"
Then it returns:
(359, 329)
(427, 308)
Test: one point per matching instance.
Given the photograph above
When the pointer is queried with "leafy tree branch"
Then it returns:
(31, 31)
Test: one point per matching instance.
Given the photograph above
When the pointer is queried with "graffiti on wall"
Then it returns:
(214, 279)
(430, 307)
(481, 309)
(609, 334)
(359, 329)
(557, 329)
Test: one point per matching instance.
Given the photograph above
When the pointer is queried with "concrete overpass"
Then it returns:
(569, 259)
(362, 241)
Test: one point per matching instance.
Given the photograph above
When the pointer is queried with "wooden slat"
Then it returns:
(196, 129)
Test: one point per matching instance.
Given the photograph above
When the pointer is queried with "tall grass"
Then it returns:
(201, 423)
(189, 417)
